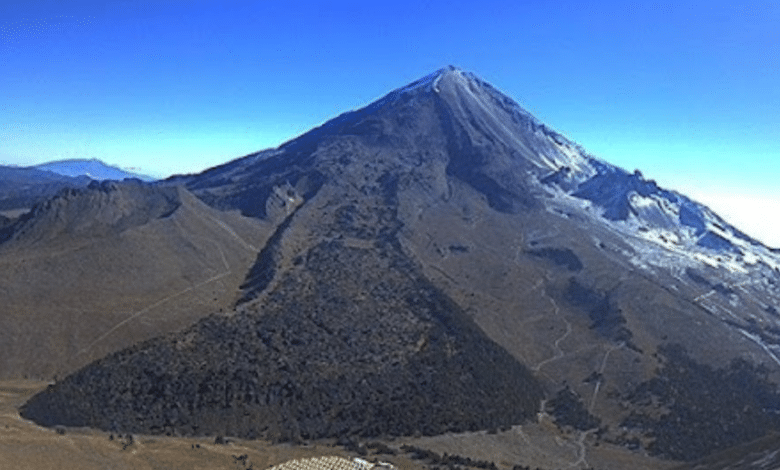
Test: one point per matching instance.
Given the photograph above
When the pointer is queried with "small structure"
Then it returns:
(332, 463)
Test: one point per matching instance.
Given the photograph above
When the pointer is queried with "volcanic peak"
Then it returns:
(389, 226)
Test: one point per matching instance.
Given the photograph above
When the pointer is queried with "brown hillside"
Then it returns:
(95, 270)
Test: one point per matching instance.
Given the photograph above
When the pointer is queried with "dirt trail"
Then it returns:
(601, 372)
(227, 271)
(559, 354)
(582, 450)
(228, 229)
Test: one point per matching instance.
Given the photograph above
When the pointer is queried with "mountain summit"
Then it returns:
(441, 261)
(91, 168)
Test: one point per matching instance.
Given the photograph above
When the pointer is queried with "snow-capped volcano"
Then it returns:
(440, 261)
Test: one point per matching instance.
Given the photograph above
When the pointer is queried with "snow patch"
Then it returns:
(771, 349)
(436, 83)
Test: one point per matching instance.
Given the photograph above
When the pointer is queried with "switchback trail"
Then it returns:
(557, 344)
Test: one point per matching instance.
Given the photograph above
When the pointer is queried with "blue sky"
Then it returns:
(687, 92)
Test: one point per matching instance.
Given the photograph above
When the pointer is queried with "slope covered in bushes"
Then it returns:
(319, 360)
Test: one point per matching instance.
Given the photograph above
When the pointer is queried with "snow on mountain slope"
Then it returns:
(626, 202)
(640, 209)
(669, 233)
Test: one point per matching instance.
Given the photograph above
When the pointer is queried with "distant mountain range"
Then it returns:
(23, 187)
(92, 168)
(437, 262)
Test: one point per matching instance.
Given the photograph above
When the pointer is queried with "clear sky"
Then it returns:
(687, 92)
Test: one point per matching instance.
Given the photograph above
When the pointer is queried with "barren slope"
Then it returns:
(95, 270)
